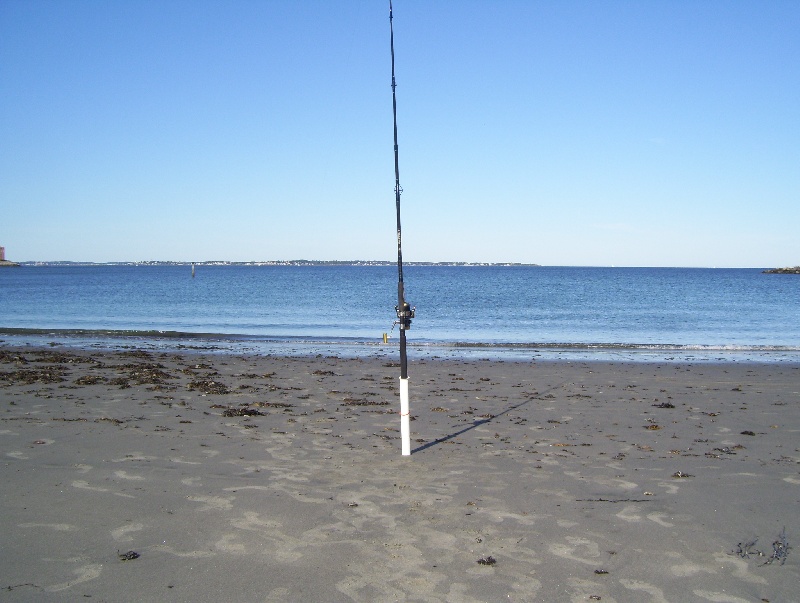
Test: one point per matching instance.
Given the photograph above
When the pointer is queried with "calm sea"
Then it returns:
(485, 312)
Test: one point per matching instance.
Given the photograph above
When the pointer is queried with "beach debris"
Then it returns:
(600, 572)
(748, 432)
(135, 354)
(780, 549)
(12, 357)
(595, 597)
(664, 405)
(52, 374)
(59, 358)
(89, 380)
(652, 427)
(325, 373)
(612, 500)
(129, 556)
(109, 420)
(146, 374)
(681, 475)
(489, 560)
(724, 450)
(241, 411)
(744, 550)
(363, 402)
(122, 382)
(207, 386)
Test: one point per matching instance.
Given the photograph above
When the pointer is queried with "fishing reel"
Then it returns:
(404, 315)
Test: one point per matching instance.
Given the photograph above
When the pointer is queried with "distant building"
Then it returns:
(2, 254)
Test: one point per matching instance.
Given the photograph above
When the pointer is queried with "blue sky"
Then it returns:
(560, 133)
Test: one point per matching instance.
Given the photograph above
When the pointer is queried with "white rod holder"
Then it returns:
(405, 428)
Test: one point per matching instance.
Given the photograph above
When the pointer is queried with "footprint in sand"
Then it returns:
(628, 513)
(212, 502)
(251, 521)
(120, 534)
(179, 460)
(608, 482)
(278, 595)
(657, 517)
(128, 476)
(741, 569)
(568, 551)
(684, 568)
(720, 597)
(669, 487)
(186, 554)
(85, 573)
(226, 545)
(656, 594)
(58, 527)
(84, 485)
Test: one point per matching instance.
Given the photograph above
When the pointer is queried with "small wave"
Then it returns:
(661, 347)
(423, 343)
(363, 347)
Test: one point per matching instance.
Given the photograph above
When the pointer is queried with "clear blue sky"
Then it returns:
(652, 133)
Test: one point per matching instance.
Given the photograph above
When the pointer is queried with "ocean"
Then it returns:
(498, 312)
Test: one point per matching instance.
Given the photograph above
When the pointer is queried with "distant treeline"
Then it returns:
(274, 263)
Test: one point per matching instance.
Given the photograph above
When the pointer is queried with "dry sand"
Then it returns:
(280, 479)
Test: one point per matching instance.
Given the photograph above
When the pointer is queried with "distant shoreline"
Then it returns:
(274, 263)
(795, 270)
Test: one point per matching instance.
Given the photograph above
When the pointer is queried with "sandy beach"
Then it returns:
(141, 476)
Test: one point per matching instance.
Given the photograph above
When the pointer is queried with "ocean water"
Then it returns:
(510, 312)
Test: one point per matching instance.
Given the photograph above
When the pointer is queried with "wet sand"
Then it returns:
(140, 476)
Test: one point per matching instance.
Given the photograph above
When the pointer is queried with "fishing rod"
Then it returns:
(404, 311)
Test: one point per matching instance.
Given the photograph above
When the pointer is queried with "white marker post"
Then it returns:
(405, 427)
(404, 312)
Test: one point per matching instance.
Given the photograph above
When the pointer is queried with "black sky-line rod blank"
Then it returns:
(404, 312)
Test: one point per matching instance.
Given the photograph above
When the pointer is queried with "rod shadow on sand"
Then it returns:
(480, 422)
